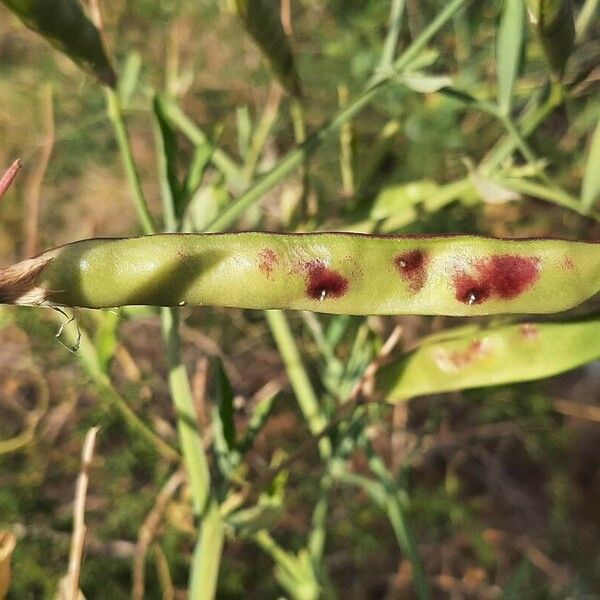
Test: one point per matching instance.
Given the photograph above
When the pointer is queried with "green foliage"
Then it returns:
(508, 51)
(553, 21)
(590, 189)
(262, 20)
(329, 495)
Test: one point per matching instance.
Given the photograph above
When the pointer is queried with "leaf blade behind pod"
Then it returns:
(64, 25)
(261, 19)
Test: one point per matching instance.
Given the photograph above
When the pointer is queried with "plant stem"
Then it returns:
(205, 564)
(318, 532)
(207, 556)
(141, 206)
(395, 512)
(296, 156)
(223, 162)
(88, 357)
(391, 40)
(538, 190)
(529, 122)
(191, 443)
(585, 18)
(261, 132)
(299, 380)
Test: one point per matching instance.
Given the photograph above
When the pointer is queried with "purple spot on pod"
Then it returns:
(323, 282)
(412, 268)
(504, 277)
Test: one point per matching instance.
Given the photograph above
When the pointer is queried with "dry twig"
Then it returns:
(148, 531)
(577, 410)
(34, 187)
(69, 585)
(367, 382)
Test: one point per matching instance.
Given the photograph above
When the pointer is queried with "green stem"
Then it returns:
(529, 122)
(207, 556)
(191, 442)
(395, 511)
(585, 18)
(260, 135)
(296, 156)
(432, 29)
(299, 380)
(141, 206)
(318, 532)
(538, 190)
(223, 162)
(391, 39)
(204, 570)
(88, 357)
(405, 541)
(288, 164)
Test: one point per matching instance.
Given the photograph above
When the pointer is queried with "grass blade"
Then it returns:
(508, 52)
(166, 141)
(225, 404)
(590, 189)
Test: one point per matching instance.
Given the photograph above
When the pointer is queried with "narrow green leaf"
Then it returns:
(495, 356)
(590, 189)
(106, 337)
(224, 395)
(65, 26)
(553, 21)
(203, 206)
(200, 162)
(508, 51)
(262, 21)
(257, 421)
(244, 130)
(425, 83)
(395, 198)
(129, 78)
(167, 150)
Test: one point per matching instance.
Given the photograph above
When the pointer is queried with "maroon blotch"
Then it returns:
(470, 290)
(323, 282)
(412, 267)
(503, 276)
(267, 261)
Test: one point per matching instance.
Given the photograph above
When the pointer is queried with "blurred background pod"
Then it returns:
(261, 19)
(554, 24)
(64, 25)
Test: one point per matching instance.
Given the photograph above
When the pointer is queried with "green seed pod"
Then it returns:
(261, 20)
(553, 21)
(340, 273)
(65, 26)
(491, 357)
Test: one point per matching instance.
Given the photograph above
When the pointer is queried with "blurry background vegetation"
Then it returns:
(504, 483)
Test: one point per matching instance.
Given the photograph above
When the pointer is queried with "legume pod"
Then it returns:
(65, 26)
(491, 357)
(262, 21)
(553, 20)
(339, 273)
